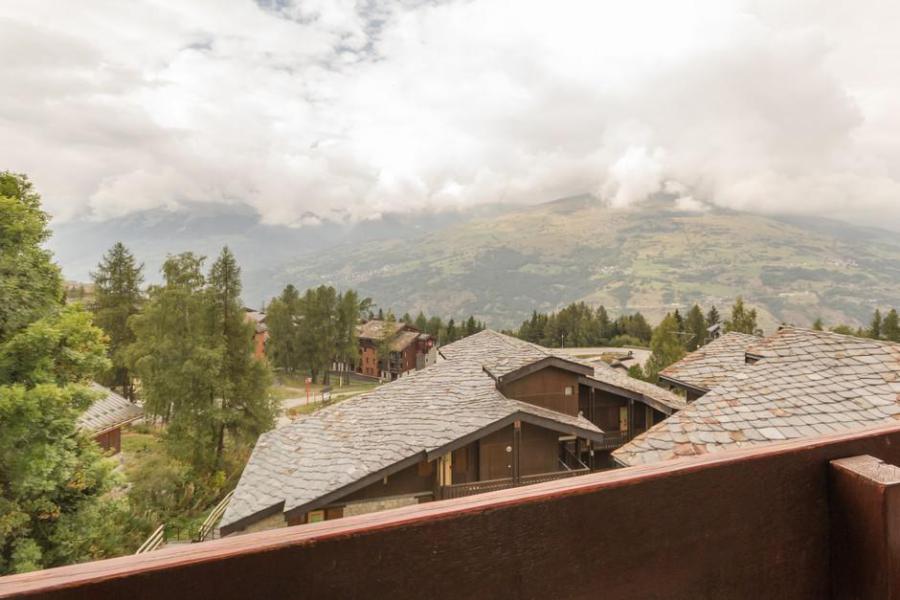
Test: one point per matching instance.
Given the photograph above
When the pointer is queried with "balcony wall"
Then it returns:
(754, 523)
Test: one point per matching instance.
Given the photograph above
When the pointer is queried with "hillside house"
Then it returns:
(261, 331)
(409, 349)
(494, 412)
(797, 383)
(106, 417)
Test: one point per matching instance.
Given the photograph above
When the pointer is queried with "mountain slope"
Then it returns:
(650, 258)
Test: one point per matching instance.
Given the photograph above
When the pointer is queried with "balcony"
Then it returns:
(459, 490)
(809, 519)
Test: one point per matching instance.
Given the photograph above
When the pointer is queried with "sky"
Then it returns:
(330, 109)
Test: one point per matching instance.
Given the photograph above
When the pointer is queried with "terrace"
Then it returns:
(801, 519)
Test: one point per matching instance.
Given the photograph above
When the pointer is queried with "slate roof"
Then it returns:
(109, 412)
(502, 354)
(712, 364)
(807, 383)
(403, 339)
(314, 459)
(375, 329)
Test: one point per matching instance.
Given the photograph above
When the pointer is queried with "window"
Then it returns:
(316, 516)
(568, 390)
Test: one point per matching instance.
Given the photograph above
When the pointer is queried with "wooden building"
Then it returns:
(261, 331)
(409, 349)
(494, 412)
(106, 417)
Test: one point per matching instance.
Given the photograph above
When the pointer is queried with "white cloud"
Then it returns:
(339, 109)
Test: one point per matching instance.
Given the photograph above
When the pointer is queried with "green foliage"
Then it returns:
(712, 317)
(875, 327)
(61, 348)
(695, 327)
(193, 354)
(579, 325)
(890, 326)
(30, 284)
(53, 481)
(665, 346)
(743, 320)
(117, 289)
(283, 320)
(818, 324)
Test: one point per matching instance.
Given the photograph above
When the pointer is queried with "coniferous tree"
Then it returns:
(818, 324)
(875, 327)
(283, 320)
(712, 317)
(743, 320)
(318, 333)
(241, 403)
(696, 329)
(451, 333)
(117, 296)
(421, 322)
(890, 326)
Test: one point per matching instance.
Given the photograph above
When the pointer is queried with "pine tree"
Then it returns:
(318, 333)
(241, 404)
(890, 326)
(117, 289)
(386, 337)
(696, 329)
(875, 327)
(818, 324)
(283, 321)
(452, 334)
(712, 317)
(743, 320)
(421, 322)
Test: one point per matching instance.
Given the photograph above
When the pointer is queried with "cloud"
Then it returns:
(314, 110)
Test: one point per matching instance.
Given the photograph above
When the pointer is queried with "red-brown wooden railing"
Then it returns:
(762, 522)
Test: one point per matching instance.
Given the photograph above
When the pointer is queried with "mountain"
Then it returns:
(205, 228)
(652, 257)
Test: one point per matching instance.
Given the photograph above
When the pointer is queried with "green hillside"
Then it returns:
(650, 258)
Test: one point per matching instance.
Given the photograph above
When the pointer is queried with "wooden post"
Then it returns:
(517, 438)
(864, 495)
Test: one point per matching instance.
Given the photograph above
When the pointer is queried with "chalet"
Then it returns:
(105, 418)
(797, 383)
(410, 349)
(261, 331)
(710, 365)
(494, 412)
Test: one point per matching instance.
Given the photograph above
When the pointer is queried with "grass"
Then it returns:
(339, 394)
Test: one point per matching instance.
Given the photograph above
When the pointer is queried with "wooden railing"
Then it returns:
(155, 541)
(208, 528)
(777, 521)
(611, 441)
(460, 490)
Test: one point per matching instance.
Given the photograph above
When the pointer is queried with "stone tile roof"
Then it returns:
(375, 329)
(502, 354)
(807, 383)
(403, 339)
(321, 453)
(712, 364)
(109, 412)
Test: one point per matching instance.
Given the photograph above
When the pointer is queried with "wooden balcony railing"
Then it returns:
(459, 490)
(611, 441)
(796, 520)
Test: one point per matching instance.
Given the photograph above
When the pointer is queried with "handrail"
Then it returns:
(209, 524)
(155, 541)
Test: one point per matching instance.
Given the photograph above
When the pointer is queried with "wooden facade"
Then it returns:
(401, 361)
(110, 441)
(790, 521)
